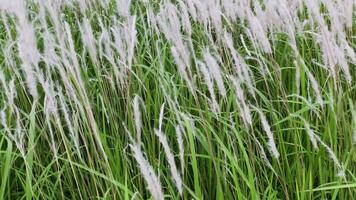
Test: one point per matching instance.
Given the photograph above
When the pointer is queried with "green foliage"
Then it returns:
(222, 159)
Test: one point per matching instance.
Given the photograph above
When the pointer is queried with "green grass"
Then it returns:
(222, 159)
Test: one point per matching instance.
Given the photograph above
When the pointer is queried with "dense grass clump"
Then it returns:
(177, 99)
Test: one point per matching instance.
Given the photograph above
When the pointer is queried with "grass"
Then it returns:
(71, 143)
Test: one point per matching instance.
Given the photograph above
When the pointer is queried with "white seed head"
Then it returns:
(137, 116)
(170, 157)
(214, 70)
(271, 143)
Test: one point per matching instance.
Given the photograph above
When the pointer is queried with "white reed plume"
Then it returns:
(15, 6)
(71, 64)
(201, 10)
(180, 134)
(170, 158)
(185, 17)
(229, 9)
(27, 49)
(335, 19)
(125, 42)
(161, 116)
(214, 70)
(104, 41)
(29, 56)
(88, 38)
(3, 119)
(333, 55)
(241, 67)
(123, 7)
(314, 83)
(297, 76)
(326, 47)
(18, 135)
(244, 6)
(153, 183)
(129, 34)
(258, 33)
(315, 87)
(152, 180)
(349, 51)
(69, 121)
(69, 58)
(170, 25)
(214, 13)
(280, 15)
(314, 13)
(52, 142)
(50, 103)
(151, 18)
(312, 136)
(27, 43)
(210, 84)
(9, 88)
(49, 56)
(353, 113)
(120, 43)
(339, 167)
(271, 143)
(11, 93)
(241, 102)
(182, 68)
(147, 171)
(132, 38)
(50, 109)
(265, 17)
(83, 5)
(230, 45)
(137, 117)
(342, 62)
(192, 10)
(326, 40)
(349, 6)
(263, 154)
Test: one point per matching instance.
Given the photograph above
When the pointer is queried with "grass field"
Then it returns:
(177, 99)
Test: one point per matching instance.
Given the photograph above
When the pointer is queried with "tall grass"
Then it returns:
(177, 99)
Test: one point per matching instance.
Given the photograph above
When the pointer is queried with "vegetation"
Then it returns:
(177, 99)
